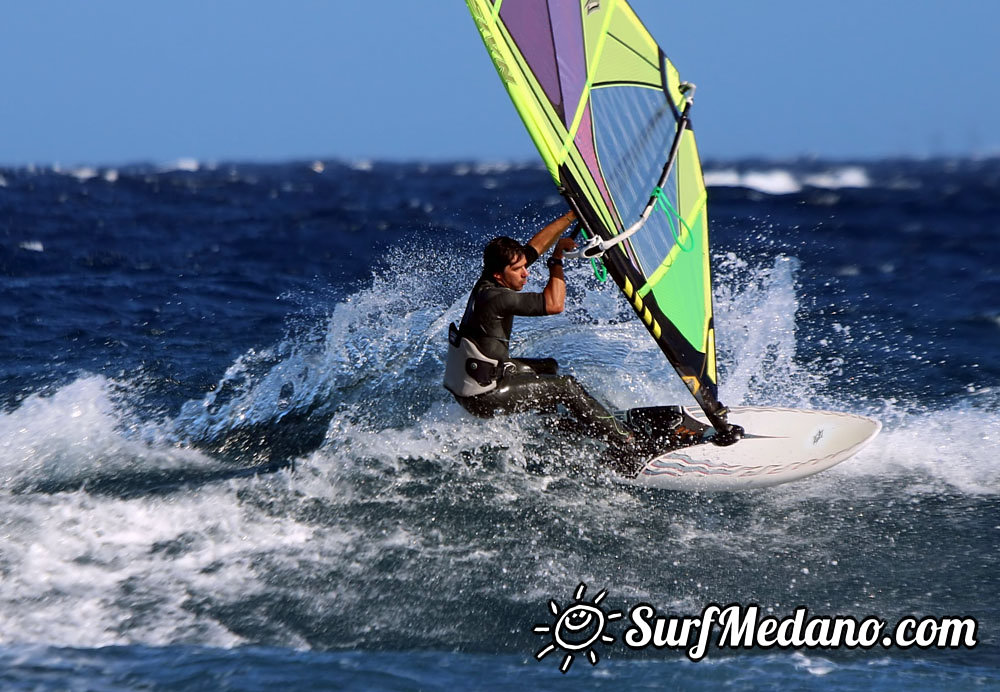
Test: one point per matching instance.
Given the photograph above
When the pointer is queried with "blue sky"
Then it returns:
(119, 81)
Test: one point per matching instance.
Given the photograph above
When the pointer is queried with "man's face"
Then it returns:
(514, 275)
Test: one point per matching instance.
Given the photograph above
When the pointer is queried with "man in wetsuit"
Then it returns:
(480, 372)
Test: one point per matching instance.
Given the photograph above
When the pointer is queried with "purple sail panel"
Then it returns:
(584, 142)
(529, 25)
(567, 31)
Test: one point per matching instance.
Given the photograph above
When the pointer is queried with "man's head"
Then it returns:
(504, 260)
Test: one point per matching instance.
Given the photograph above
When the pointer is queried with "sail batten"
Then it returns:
(606, 109)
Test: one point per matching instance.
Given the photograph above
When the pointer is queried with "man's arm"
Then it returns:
(554, 292)
(544, 239)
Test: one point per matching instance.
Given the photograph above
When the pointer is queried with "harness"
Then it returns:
(468, 372)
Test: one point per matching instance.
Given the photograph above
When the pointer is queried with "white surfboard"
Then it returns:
(781, 445)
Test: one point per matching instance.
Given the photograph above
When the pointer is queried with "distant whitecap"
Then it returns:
(487, 167)
(851, 176)
(779, 181)
(83, 173)
(729, 177)
(775, 182)
(185, 164)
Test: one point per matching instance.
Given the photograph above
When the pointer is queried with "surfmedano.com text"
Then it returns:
(742, 627)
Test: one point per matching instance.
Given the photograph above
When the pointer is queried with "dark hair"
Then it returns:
(499, 253)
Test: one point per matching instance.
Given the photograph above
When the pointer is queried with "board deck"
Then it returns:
(781, 445)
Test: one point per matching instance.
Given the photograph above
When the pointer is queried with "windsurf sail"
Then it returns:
(610, 117)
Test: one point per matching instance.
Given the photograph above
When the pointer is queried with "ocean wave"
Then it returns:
(954, 450)
(783, 181)
(81, 437)
(187, 165)
(411, 523)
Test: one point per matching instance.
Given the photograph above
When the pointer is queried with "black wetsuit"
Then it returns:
(526, 384)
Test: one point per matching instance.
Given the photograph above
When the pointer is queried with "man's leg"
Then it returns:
(537, 366)
(526, 392)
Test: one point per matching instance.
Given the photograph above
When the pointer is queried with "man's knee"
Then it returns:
(535, 366)
(546, 366)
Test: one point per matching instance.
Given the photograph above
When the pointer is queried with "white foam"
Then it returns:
(848, 177)
(82, 570)
(188, 165)
(756, 332)
(776, 182)
(32, 246)
(780, 181)
(814, 665)
(772, 182)
(955, 449)
(729, 177)
(85, 571)
(353, 352)
(493, 167)
(83, 174)
(73, 435)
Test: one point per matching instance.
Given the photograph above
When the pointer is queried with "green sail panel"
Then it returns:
(605, 107)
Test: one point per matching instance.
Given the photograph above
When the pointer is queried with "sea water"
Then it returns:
(166, 327)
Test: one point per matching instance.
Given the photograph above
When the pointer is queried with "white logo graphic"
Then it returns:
(582, 625)
(577, 628)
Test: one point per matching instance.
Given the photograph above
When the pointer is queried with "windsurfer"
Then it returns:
(480, 372)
